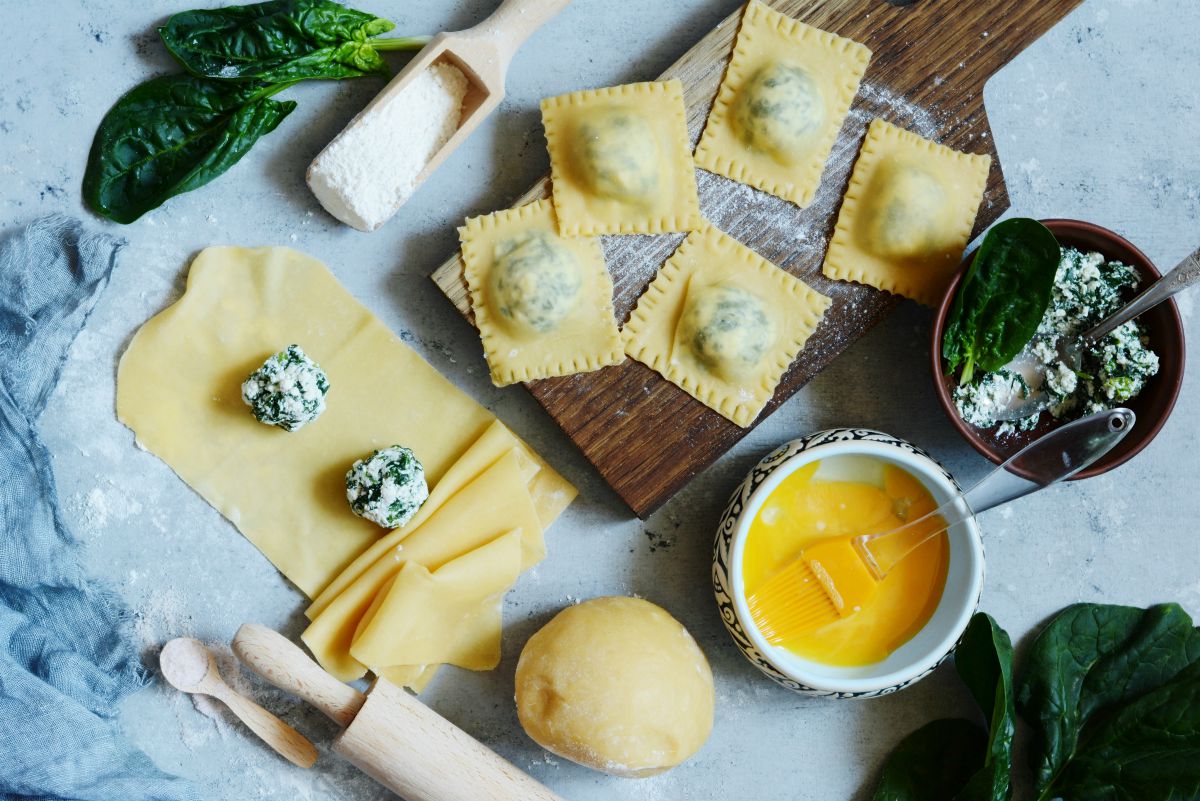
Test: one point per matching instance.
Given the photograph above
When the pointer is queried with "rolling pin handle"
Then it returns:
(276, 659)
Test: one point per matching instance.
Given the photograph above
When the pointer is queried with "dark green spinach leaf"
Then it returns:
(984, 662)
(955, 760)
(171, 135)
(1148, 750)
(1111, 692)
(933, 763)
(1101, 665)
(177, 133)
(281, 40)
(1002, 297)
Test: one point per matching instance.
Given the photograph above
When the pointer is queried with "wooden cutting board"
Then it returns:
(931, 59)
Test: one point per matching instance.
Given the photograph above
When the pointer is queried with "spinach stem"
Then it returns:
(271, 89)
(399, 42)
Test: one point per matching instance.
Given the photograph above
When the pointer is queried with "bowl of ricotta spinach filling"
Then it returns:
(1005, 330)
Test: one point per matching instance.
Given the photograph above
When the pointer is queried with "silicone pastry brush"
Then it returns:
(835, 578)
(190, 667)
(367, 172)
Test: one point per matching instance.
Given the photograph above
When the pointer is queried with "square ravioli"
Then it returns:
(783, 100)
(542, 302)
(621, 161)
(723, 323)
(907, 214)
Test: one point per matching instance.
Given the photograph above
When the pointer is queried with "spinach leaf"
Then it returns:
(1148, 750)
(955, 760)
(1088, 662)
(1002, 297)
(276, 41)
(1112, 694)
(984, 662)
(933, 763)
(171, 135)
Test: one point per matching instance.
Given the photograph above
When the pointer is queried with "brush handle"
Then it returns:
(1047, 460)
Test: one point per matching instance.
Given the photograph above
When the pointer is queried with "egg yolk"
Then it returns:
(804, 510)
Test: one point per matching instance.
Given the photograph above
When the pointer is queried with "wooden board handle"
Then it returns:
(272, 656)
(287, 742)
(411, 749)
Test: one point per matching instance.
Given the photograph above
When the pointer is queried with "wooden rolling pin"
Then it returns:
(390, 735)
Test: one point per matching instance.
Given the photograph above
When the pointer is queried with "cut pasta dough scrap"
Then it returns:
(620, 160)
(550, 493)
(495, 502)
(448, 616)
(907, 215)
(723, 323)
(785, 95)
(542, 302)
(414, 677)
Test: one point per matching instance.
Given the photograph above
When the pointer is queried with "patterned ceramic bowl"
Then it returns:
(915, 659)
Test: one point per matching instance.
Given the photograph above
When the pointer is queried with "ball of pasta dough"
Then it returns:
(618, 685)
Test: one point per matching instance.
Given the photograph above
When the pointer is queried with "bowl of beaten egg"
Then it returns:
(843, 482)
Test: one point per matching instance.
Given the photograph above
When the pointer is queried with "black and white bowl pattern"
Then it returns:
(722, 548)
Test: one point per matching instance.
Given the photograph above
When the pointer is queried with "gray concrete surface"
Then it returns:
(1097, 120)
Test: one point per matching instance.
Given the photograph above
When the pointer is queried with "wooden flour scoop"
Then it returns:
(482, 54)
(390, 735)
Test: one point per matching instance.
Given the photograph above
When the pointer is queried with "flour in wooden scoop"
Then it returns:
(364, 175)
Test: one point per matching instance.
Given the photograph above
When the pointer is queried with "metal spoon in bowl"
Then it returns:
(1070, 349)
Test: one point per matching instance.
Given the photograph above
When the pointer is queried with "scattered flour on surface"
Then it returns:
(160, 617)
(101, 506)
(371, 168)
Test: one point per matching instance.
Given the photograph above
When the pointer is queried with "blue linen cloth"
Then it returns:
(66, 658)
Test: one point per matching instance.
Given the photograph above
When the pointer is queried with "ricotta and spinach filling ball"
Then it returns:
(287, 391)
(388, 487)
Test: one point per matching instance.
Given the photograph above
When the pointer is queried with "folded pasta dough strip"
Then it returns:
(495, 502)
(495, 441)
(448, 616)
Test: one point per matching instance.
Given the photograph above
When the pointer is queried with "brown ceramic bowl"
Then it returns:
(1152, 406)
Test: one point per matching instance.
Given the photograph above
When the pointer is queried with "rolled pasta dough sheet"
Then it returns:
(178, 388)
